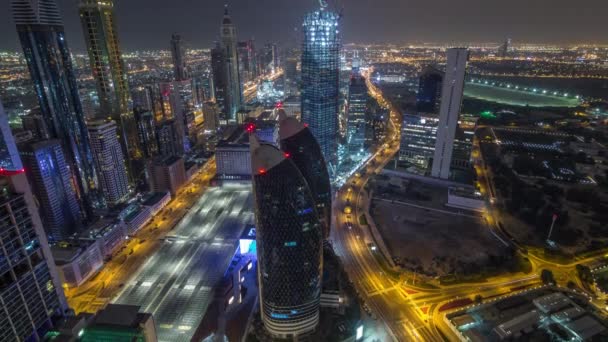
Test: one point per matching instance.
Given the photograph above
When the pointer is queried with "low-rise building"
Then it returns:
(113, 323)
(108, 233)
(135, 217)
(77, 261)
(552, 302)
(465, 198)
(156, 201)
(516, 327)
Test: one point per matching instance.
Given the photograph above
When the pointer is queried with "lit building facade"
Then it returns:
(49, 174)
(101, 37)
(357, 108)
(110, 161)
(147, 132)
(418, 138)
(289, 244)
(247, 61)
(30, 291)
(297, 141)
(233, 93)
(451, 100)
(320, 91)
(42, 37)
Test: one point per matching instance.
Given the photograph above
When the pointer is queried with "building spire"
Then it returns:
(226, 9)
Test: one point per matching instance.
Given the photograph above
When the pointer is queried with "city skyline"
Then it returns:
(392, 21)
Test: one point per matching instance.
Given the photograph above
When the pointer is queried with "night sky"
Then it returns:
(148, 24)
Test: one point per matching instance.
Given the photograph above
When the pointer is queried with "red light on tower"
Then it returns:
(305, 125)
(287, 155)
(250, 127)
(279, 105)
(262, 171)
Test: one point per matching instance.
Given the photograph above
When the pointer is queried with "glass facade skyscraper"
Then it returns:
(289, 243)
(30, 290)
(50, 176)
(178, 55)
(320, 90)
(233, 93)
(357, 107)
(429, 91)
(105, 59)
(42, 37)
(300, 145)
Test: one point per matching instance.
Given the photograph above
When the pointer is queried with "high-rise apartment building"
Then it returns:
(42, 37)
(300, 145)
(101, 36)
(30, 291)
(247, 61)
(320, 90)
(49, 174)
(451, 101)
(178, 55)
(147, 132)
(291, 76)
(233, 93)
(429, 91)
(110, 161)
(289, 243)
(220, 82)
(357, 108)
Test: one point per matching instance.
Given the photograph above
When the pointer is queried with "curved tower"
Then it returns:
(297, 141)
(289, 243)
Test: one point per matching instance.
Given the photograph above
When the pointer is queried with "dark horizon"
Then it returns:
(148, 24)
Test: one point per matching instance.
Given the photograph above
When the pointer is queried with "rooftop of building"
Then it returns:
(168, 161)
(120, 315)
(66, 252)
(152, 198)
(131, 212)
(101, 227)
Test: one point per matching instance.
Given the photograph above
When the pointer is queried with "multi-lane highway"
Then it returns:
(409, 312)
(96, 292)
(385, 296)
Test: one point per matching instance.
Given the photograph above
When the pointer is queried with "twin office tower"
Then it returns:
(293, 215)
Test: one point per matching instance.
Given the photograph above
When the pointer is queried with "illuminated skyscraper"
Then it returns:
(50, 177)
(297, 141)
(30, 289)
(178, 54)
(357, 107)
(220, 82)
(110, 161)
(42, 37)
(451, 100)
(101, 36)
(233, 93)
(289, 243)
(247, 61)
(321, 79)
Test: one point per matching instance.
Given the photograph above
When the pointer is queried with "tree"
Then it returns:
(547, 277)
